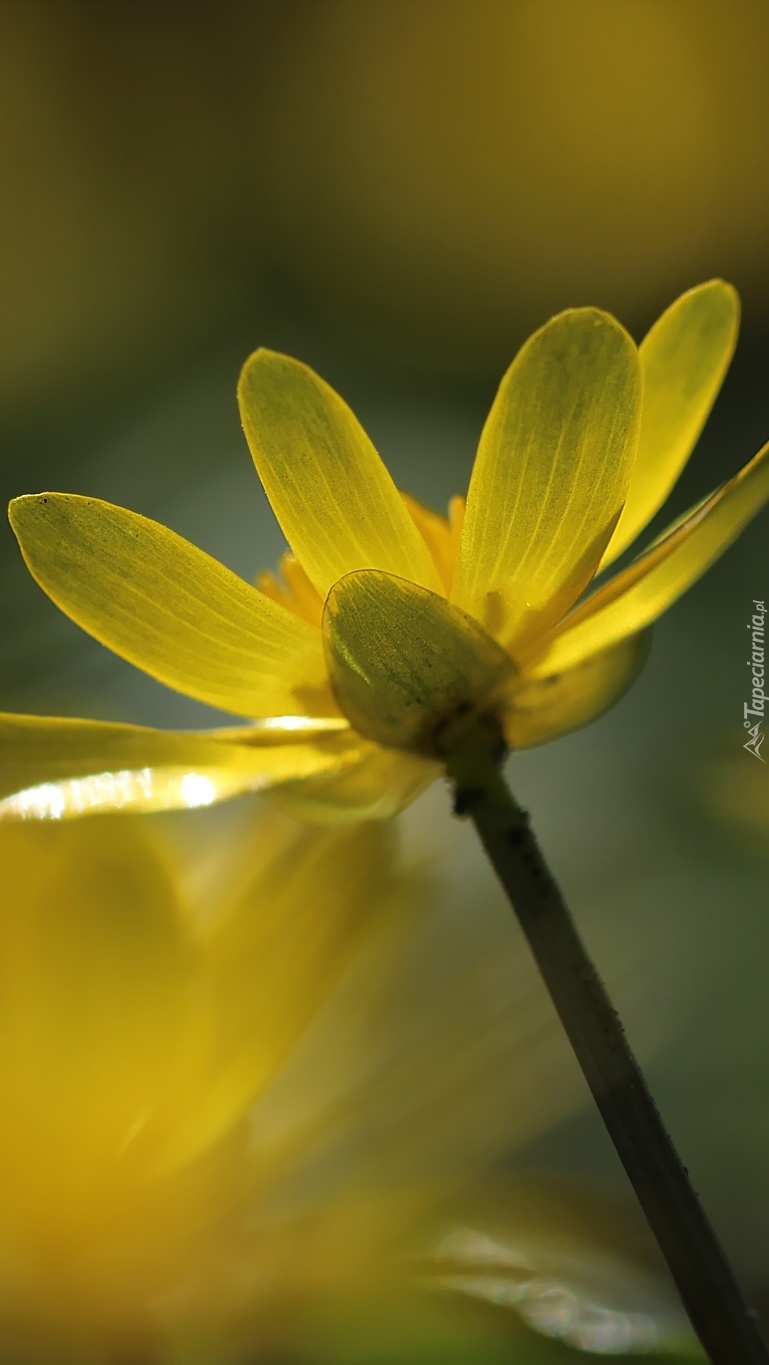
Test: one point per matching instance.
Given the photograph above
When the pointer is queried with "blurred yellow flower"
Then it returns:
(234, 1107)
(732, 795)
(136, 1034)
(389, 619)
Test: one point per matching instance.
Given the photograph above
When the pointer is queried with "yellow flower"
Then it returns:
(729, 789)
(232, 1103)
(389, 620)
(140, 1023)
(132, 1041)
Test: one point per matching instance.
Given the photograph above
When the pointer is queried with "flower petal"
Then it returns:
(561, 1261)
(375, 786)
(404, 663)
(334, 499)
(683, 360)
(292, 589)
(54, 767)
(272, 955)
(169, 608)
(94, 965)
(550, 476)
(440, 534)
(655, 580)
(545, 707)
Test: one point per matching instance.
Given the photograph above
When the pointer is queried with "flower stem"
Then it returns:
(725, 1325)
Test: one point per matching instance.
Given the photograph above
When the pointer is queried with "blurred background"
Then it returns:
(397, 192)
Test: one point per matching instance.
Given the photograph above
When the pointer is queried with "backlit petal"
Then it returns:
(440, 534)
(683, 359)
(655, 580)
(404, 663)
(94, 964)
(562, 1263)
(272, 954)
(335, 501)
(550, 476)
(542, 708)
(169, 608)
(53, 767)
(292, 589)
(375, 786)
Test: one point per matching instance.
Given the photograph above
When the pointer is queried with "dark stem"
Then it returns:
(727, 1328)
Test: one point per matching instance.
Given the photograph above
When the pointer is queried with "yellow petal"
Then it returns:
(550, 476)
(404, 663)
(683, 360)
(273, 953)
(293, 590)
(93, 983)
(334, 499)
(104, 1036)
(440, 534)
(169, 608)
(53, 767)
(655, 580)
(542, 708)
(375, 786)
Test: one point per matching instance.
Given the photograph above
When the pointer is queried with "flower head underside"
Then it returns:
(388, 621)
